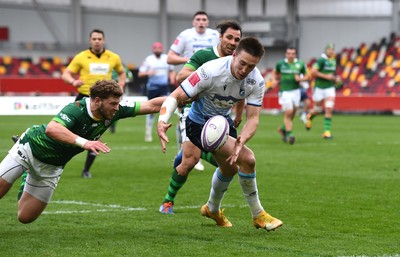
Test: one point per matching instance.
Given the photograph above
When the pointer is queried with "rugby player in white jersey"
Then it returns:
(216, 86)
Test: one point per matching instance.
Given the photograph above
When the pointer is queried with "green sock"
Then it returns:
(327, 124)
(175, 183)
(283, 128)
(21, 188)
(289, 133)
(209, 158)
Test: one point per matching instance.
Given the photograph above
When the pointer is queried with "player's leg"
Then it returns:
(90, 157)
(190, 156)
(10, 171)
(317, 98)
(184, 162)
(283, 102)
(15, 139)
(329, 105)
(248, 183)
(36, 196)
(286, 100)
(150, 117)
(148, 128)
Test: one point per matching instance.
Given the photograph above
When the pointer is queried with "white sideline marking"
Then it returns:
(112, 207)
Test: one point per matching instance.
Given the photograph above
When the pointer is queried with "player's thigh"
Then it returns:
(191, 153)
(289, 100)
(29, 208)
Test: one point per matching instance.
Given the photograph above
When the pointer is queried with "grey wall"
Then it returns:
(131, 35)
(344, 32)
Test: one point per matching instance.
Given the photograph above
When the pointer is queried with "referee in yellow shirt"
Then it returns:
(93, 64)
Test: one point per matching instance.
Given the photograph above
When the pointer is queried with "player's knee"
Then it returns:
(249, 162)
(288, 106)
(24, 218)
(329, 104)
(317, 109)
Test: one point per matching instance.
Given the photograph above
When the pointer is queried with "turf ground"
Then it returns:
(338, 197)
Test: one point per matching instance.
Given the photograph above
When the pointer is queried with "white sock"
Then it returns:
(249, 187)
(219, 185)
(149, 122)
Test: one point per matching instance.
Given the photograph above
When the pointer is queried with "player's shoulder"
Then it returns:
(212, 32)
(256, 75)
(111, 53)
(187, 32)
(83, 54)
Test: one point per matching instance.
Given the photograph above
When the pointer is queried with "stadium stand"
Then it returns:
(370, 74)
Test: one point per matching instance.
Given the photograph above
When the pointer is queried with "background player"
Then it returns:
(288, 74)
(324, 70)
(159, 76)
(185, 45)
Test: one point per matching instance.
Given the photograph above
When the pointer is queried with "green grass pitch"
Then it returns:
(336, 197)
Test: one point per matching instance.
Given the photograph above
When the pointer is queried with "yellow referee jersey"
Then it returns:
(92, 68)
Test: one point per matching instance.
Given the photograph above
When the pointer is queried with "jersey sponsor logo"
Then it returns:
(203, 74)
(262, 84)
(224, 101)
(99, 68)
(65, 117)
(194, 79)
(241, 92)
(250, 81)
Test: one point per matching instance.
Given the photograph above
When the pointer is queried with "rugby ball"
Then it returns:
(215, 133)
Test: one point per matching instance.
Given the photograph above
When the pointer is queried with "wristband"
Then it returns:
(167, 109)
(80, 141)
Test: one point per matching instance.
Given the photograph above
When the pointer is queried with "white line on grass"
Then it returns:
(112, 207)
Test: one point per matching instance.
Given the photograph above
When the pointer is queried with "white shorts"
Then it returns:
(320, 94)
(182, 123)
(42, 178)
(289, 99)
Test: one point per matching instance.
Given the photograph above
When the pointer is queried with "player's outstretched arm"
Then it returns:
(167, 110)
(60, 133)
(152, 105)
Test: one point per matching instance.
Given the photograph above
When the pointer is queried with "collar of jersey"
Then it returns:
(88, 109)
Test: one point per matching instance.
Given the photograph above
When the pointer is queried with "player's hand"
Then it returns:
(162, 128)
(77, 83)
(237, 121)
(236, 150)
(96, 147)
(297, 78)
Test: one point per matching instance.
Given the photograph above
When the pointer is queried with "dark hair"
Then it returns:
(223, 26)
(105, 88)
(291, 48)
(200, 13)
(97, 31)
(250, 45)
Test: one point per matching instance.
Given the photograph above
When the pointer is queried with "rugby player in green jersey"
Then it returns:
(324, 71)
(288, 74)
(185, 161)
(43, 151)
